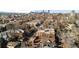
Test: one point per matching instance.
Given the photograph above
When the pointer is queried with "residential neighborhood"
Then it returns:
(39, 30)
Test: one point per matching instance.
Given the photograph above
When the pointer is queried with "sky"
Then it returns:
(29, 5)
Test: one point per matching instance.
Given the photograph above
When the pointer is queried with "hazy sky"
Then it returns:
(28, 5)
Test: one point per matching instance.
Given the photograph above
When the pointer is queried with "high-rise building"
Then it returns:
(72, 13)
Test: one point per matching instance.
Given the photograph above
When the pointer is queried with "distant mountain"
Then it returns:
(9, 13)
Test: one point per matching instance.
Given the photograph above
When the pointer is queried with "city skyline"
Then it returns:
(39, 11)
